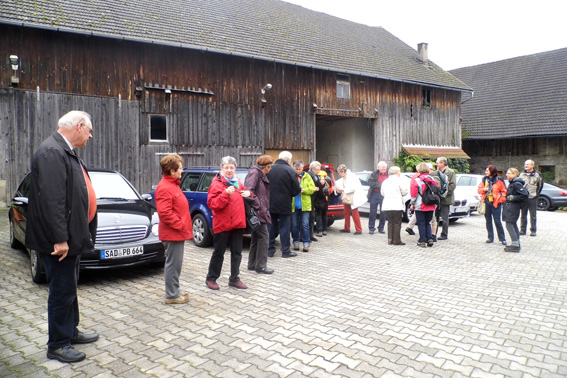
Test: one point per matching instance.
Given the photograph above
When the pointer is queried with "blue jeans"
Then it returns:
(496, 214)
(62, 303)
(299, 219)
(375, 201)
(281, 224)
(424, 225)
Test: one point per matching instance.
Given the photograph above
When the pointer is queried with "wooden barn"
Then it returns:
(518, 112)
(209, 78)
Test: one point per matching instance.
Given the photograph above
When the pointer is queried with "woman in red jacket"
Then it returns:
(493, 190)
(226, 200)
(175, 225)
(423, 212)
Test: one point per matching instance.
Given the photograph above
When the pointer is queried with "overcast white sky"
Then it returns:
(460, 33)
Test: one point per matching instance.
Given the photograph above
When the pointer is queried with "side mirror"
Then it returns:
(147, 197)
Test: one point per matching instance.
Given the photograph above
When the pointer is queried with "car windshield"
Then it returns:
(111, 185)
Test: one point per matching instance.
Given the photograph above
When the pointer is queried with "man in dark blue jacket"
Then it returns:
(61, 225)
(283, 187)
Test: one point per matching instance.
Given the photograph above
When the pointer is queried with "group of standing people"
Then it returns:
(62, 216)
(508, 203)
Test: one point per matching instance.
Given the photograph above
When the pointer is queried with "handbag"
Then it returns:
(481, 207)
(348, 198)
(252, 221)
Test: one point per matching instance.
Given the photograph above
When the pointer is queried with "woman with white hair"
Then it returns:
(226, 200)
(393, 190)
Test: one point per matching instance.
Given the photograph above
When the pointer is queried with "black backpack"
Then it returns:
(430, 195)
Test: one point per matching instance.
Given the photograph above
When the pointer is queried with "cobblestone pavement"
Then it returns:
(353, 306)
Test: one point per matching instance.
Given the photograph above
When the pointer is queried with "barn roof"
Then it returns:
(270, 30)
(519, 97)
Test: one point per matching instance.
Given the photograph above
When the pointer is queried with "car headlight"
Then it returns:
(155, 229)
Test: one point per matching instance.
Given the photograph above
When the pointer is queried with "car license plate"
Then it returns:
(121, 252)
(459, 209)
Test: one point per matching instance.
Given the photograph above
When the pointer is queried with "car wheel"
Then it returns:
(543, 203)
(408, 213)
(36, 268)
(14, 243)
(201, 233)
(330, 221)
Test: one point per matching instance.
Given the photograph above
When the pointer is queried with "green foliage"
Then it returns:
(548, 177)
(407, 162)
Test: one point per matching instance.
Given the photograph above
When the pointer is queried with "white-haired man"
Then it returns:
(534, 184)
(283, 187)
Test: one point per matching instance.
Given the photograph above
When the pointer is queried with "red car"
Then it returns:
(336, 210)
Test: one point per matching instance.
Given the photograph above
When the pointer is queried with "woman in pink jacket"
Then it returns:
(175, 225)
(424, 212)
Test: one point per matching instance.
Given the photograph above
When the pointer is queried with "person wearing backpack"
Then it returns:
(422, 189)
(447, 195)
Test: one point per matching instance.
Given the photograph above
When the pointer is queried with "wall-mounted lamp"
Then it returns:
(15, 62)
(168, 91)
(263, 91)
(314, 107)
(266, 88)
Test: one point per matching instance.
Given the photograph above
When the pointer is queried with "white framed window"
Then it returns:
(343, 86)
(158, 127)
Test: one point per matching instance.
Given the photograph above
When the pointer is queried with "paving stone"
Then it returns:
(461, 308)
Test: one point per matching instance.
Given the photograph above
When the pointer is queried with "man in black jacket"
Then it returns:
(61, 225)
(283, 187)
(375, 198)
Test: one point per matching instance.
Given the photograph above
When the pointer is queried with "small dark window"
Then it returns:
(343, 86)
(158, 127)
(426, 97)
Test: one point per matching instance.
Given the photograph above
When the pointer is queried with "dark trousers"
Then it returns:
(444, 214)
(232, 238)
(258, 255)
(495, 214)
(321, 219)
(514, 232)
(394, 219)
(281, 224)
(531, 206)
(62, 302)
(375, 201)
(424, 225)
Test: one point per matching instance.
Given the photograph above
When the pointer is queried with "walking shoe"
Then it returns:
(296, 247)
(238, 284)
(422, 244)
(489, 241)
(357, 233)
(522, 232)
(84, 338)
(345, 231)
(533, 234)
(291, 254)
(319, 234)
(442, 238)
(512, 248)
(251, 268)
(313, 238)
(400, 243)
(382, 231)
(410, 231)
(324, 233)
(434, 237)
(65, 354)
(371, 232)
(180, 299)
(305, 247)
(430, 243)
(503, 242)
(265, 270)
(212, 285)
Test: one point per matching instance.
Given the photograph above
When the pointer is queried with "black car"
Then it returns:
(127, 232)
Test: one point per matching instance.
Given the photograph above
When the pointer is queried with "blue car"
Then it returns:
(195, 183)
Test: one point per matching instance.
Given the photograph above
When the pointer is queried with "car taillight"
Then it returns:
(563, 192)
